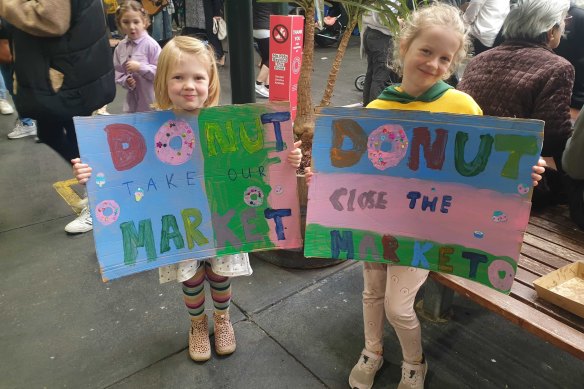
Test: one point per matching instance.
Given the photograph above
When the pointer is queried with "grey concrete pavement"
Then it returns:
(61, 327)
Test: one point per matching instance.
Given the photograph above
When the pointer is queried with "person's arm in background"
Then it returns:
(573, 157)
(472, 10)
(44, 18)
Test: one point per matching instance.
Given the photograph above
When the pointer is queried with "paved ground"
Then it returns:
(61, 327)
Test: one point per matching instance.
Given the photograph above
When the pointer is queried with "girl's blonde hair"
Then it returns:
(131, 5)
(171, 55)
(435, 15)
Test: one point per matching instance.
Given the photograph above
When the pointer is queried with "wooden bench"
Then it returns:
(551, 241)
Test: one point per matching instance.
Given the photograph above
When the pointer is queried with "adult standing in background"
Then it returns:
(24, 126)
(63, 65)
(485, 18)
(261, 35)
(162, 23)
(572, 48)
(573, 164)
(376, 44)
(199, 15)
(5, 107)
(524, 78)
(110, 7)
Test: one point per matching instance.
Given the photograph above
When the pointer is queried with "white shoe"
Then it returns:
(83, 223)
(262, 90)
(5, 107)
(363, 373)
(102, 111)
(21, 130)
(413, 375)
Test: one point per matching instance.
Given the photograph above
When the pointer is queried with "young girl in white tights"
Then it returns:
(186, 81)
(431, 44)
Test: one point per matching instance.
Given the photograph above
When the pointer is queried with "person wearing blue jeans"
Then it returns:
(162, 26)
(24, 126)
(5, 107)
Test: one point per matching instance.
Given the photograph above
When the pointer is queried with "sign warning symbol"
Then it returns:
(280, 33)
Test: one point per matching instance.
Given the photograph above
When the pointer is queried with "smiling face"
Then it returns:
(427, 58)
(133, 24)
(188, 83)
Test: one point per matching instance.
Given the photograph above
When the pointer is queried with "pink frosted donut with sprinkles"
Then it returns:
(398, 140)
(253, 196)
(167, 132)
(112, 216)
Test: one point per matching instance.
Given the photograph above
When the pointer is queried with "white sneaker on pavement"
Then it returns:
(262, 90)
(102, 111)
(413, 375)
(21, 130)
(83, 223)
(5, 107)
(363, 373)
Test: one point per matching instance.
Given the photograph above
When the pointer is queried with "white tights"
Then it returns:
(391, 290)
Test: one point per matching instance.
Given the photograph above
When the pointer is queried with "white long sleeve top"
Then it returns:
(486, 18)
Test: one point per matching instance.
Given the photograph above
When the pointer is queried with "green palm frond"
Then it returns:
(389, 11)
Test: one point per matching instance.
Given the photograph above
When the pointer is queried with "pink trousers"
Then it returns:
(390, 291)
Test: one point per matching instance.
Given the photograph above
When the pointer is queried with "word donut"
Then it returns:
(112, 216)
(167, 132)
(253, 196)
(398, 140)
(501, 266)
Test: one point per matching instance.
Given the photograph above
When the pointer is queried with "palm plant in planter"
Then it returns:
(390, 11)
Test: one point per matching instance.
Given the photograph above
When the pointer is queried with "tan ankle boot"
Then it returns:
(224, 335)
(199, 344)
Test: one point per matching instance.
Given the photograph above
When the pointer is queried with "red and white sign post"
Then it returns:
(286, 38)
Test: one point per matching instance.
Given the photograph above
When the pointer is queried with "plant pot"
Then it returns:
(295, 259)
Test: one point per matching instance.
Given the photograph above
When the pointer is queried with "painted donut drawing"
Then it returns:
(169, 131)
(396, 137)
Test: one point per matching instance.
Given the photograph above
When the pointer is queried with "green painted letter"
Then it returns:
(516, 145)
(192, 219)
(480, 161)
(225, 139)
(169, 223)
(132, 240)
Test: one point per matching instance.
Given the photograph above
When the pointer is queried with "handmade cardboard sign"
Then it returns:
(448, 193)
(166, 188)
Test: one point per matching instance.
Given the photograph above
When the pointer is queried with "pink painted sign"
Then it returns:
(448, 193)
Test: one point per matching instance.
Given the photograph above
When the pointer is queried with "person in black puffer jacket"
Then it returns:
(63, 65)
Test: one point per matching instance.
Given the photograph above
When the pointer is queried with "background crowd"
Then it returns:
(526, 63)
